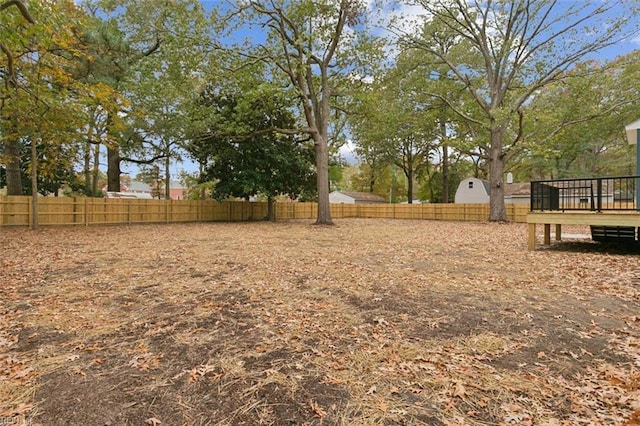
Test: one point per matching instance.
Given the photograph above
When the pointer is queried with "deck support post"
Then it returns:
(558, 232)
(547, 234)
(532, 236)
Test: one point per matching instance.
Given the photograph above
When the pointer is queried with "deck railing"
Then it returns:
(588, 194)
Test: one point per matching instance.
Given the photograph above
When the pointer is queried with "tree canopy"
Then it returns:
(505, 51)
(242, 151)
(480, 88)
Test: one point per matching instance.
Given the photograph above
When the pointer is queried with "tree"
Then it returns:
(149, 52)
(43, 109)
(11, 33)
(507, 50)
(309, 44)
(576, 126)
(55, 168)
(244, 155)
(395, 126)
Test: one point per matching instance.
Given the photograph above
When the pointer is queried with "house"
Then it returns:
(338, 197)
(517, 193)
(132, 189)
(123, 194)
(476, 191)
(177, 191)
(137, 187)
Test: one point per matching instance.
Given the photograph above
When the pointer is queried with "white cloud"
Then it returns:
(399, 17)
(392, 19)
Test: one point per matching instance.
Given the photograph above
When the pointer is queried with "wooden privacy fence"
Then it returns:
(16, 211)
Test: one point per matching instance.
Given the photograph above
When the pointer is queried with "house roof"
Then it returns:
(517, 189)
(135, 185)
(364, 196)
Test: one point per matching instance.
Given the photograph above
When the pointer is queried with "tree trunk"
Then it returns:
(497, 211)
(88, 148)
(113, 169)
(14, 178)
(322, 164)
(203, 192)
(34, 185)
(445, 163)
(96, 170)
(409, 175)
(271, 209)
(167, 177)
(372, 177)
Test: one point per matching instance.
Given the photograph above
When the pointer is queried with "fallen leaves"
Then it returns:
(15, 370)
(142, 362)
(199, 372)
(367, 322)
(317, 409)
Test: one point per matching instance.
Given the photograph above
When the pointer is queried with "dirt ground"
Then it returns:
(369, 322)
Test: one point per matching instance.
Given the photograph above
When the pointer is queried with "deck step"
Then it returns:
(613, 233)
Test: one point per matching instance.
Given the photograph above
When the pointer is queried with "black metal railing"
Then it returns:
(592, 194)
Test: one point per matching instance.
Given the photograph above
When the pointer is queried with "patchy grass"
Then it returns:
(368, 322)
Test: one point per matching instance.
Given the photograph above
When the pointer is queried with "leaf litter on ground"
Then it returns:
(367, 322)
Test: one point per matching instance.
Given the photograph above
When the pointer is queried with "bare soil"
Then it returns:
(369, 322)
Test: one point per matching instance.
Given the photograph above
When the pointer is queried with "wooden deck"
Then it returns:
(557, 218)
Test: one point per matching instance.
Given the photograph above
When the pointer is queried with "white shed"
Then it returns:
(473, 191)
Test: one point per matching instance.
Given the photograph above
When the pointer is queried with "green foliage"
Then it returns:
(128, 74)
(56, 169)
(577, 126)
(317, 49)
(504, 52)
(242, 151)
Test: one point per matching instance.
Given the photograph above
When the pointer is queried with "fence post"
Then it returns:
(86, 211)
(30, 208)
